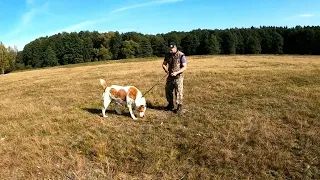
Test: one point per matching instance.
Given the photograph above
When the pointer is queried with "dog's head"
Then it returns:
(141, 106)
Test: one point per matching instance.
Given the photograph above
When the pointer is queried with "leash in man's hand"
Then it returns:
(154, 85)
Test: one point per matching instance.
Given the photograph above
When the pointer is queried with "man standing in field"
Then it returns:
(174, 65)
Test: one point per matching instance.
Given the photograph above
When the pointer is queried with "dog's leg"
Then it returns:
(131, 112)
(116, 108)
(106, 103)
(104, 112)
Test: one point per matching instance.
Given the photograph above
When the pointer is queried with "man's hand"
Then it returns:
(180, 71)
(174, 73)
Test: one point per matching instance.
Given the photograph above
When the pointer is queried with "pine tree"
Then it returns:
(115, 45)
(87, 49)
(214, 45)
(229, 42)
(190, 44)
(266, 41)
(310, 39)
(276, 43)
(145, 48)
(36, 51)
(253, 45)
(158, 45)
(204, 38)
(50, 58)
(315, 48)
(240, 43)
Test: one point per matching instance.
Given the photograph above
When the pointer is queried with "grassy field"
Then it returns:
(246, 117)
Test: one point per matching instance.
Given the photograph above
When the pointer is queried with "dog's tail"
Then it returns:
(103, 84)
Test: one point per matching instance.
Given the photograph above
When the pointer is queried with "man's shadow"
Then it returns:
(155, 107)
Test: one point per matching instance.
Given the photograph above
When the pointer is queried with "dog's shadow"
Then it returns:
(93, 110)
(97, 111)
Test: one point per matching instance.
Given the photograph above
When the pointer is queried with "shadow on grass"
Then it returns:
(93, 110)
(97, 111)
(162, 108)
(155, 107)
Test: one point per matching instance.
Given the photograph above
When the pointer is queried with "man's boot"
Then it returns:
(179, 108)
(169, 107)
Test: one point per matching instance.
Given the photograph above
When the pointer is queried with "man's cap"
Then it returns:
(172, 45)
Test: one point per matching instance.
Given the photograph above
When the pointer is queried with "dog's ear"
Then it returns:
(141, 108)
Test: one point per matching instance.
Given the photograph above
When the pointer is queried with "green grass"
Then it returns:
(245, 117)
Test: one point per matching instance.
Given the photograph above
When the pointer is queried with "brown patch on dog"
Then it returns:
(114, 92)
(122, 94)
(141, 108)
(132, 93)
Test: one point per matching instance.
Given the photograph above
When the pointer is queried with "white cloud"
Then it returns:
(299, 16)
(144, 4)
(82, 25)
(28, 17)
(123, 30)
(306, 15)
(30, 1)
(77, 27)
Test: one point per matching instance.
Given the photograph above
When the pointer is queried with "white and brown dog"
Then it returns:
(128, 96)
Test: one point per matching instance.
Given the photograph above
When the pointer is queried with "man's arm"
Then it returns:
(164, 66)
(184, 67)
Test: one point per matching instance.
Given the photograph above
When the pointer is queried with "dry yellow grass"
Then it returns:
(245, 117)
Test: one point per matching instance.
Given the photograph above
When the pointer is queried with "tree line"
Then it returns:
(85, 46)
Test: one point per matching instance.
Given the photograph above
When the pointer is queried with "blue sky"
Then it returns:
(22, 21)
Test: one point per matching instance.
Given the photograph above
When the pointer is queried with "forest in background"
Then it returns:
(86, 46)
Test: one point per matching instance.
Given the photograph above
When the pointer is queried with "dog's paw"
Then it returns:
(134, 118)
(105, 116)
